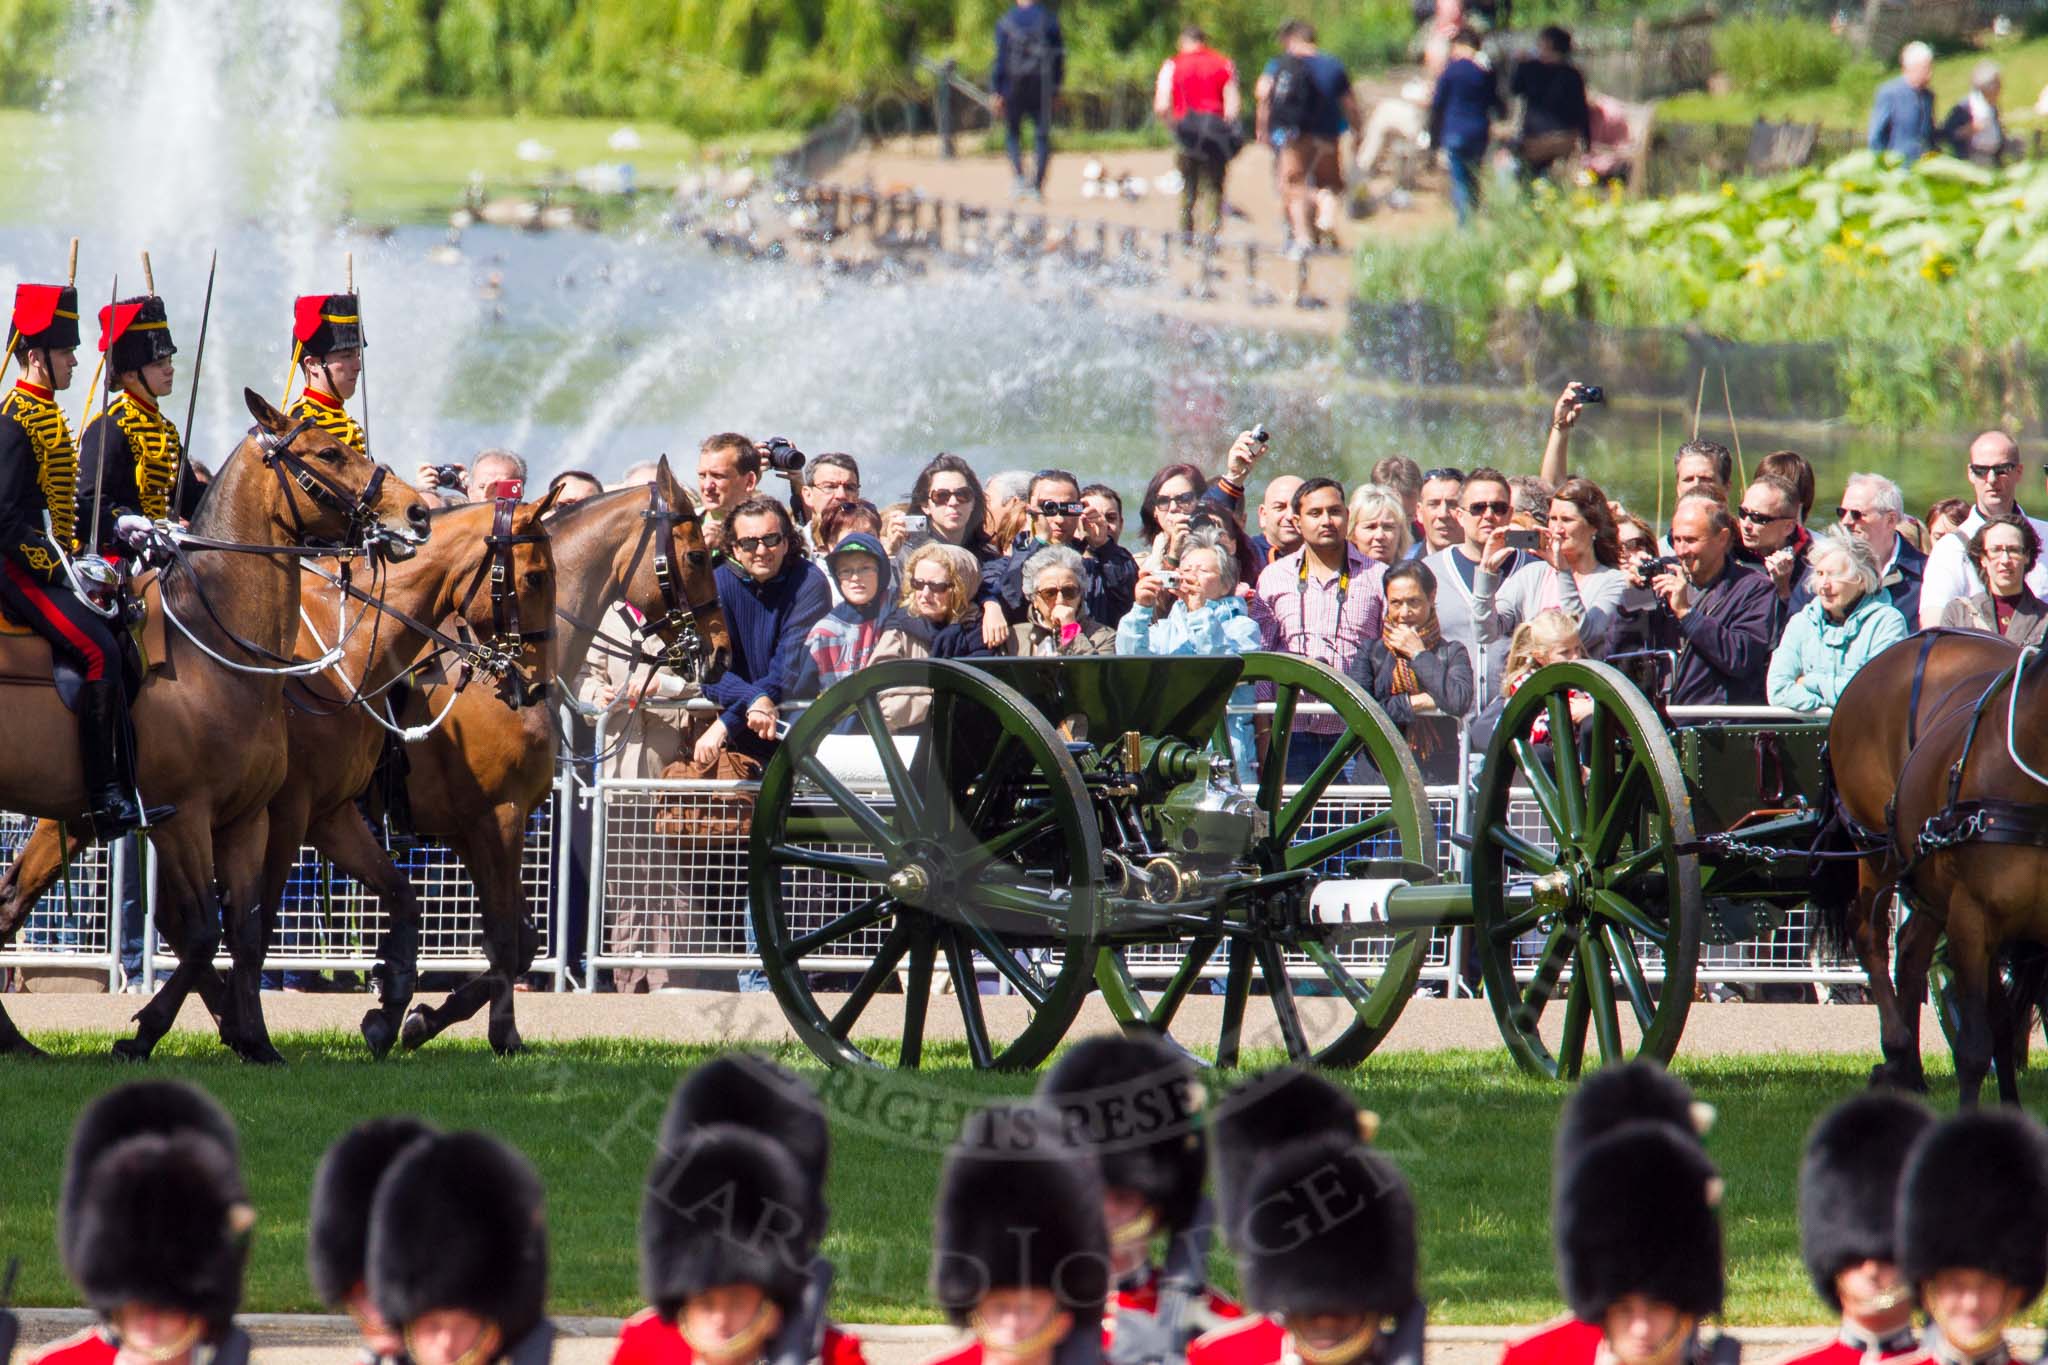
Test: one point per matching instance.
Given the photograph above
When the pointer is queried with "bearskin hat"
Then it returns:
(1329, 1227)
(1136, 1099)
(1614, 1095)
(45, 317)
(344, 1188)
(325, 323)
(133, 333)
(131, 1110)
(746, 1089)
(161, 1218)
(726, 1205)
(459, 1222)
(1975, 1196)
(1638, 1213)
(1849, 1184)
(1020, 1207)
(1286, 1104)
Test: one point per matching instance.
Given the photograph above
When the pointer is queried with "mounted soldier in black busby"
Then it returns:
(338, 1225)
(730, 1225)
(131, 453)
(42, 586)
(153, 1226)
(1136, 1100)
(1635, 1216)
(1972, 1208)
(1322, 1226)
(1020, 1256)
(327, 356)
(1848, 1227)
(458, 1253)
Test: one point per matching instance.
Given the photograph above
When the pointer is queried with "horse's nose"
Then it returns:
(416, 517)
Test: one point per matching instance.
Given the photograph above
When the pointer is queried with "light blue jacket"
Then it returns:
(1817, 657)
(1219, 627)
(1902, 120)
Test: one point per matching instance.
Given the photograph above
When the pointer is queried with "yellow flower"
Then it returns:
(1727, 190)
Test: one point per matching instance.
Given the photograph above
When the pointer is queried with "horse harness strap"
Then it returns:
(1927, 641)
(501, 654)
(291, 468)
(676, 627)
(1988, 821)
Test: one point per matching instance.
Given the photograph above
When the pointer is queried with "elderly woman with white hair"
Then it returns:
(1973, 129)
(1849, 622)
(1054, 579)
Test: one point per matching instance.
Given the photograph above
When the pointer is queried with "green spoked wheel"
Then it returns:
(1590, 874)
(954, 855)
(1332, 991)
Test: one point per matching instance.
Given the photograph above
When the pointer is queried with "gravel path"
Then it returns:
(723, 1017)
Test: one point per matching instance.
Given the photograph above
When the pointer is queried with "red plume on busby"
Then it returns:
(45, 317)
(1849, 1184)
(323, 323)
(1136, 1100)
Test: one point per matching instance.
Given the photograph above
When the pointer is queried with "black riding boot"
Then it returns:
(105, 751)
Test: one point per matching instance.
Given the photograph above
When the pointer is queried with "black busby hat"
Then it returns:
(1020, 1207)
(1286, 1104)
(726, 1205)
(344, 1189)
(1136, 1100)
(127, 1111)
(45, 317)
(133, 333)
(325, 323)
(1614, 1095)
(458, 1222)
(1975, 1196)
(161, 1219)
(1329, 1227)
(1637, 1213)
(747, 1089)
(1849, 1184)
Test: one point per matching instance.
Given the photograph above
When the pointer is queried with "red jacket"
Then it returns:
(90, 1347)
(1199, 80)
(1849, 1348)
(1248, 1341)
(1566, 1341)
(647, 1340)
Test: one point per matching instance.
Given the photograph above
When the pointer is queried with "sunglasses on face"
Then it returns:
(1760, 518)
(1069, 593)
(1049, 508)
(931, 584)
(946, 497)
(1488, 509)
(1447, 472)
(1634, 544)
(1995, 471)
(749, 544)
(1179, 502)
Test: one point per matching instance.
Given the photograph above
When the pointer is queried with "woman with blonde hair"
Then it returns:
(1378, 526)
(935, 619)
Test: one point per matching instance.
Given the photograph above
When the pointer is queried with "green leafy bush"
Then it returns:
(1768, 56)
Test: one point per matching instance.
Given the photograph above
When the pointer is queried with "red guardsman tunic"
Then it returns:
(90, 1347)
(647, 1340)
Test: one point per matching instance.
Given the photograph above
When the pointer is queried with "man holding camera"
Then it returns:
(728, 472)
(493, 473)
(1715, 613)
(1056, 513)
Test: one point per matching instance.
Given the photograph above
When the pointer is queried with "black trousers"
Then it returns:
(54, 612)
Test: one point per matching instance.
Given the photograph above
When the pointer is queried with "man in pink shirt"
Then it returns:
(1197, 94)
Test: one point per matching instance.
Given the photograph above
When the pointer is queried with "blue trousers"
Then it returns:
(1465, 172)
(1034, 104)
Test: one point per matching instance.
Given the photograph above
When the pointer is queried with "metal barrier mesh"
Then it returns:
(73, 918)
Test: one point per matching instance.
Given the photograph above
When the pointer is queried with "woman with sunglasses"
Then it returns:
(771, 595)
(1054, 580)
(936, 619)
(949, 496)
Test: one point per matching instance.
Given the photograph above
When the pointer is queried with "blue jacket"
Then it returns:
(767, 623)
(1030, 53)
(1724, 642)
(1219, 627)
(1902, 120)
(1817, 657)
(1462, 110)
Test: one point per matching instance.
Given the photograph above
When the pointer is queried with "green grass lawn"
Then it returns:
(1847, 104)
(1472, 1134)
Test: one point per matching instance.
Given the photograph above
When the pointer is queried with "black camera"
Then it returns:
(1661, 565)
(1261, 435)
(448, 475)
(1049, 508)
(783, 457)
(1589, 393)
(1205, 517)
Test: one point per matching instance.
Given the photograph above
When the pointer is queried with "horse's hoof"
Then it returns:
(1885, 1076)
(418, 1028)
(379, 1033)
(132, 1049)
(510, 1045)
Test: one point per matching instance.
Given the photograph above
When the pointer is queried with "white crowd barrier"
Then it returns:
(664, 885)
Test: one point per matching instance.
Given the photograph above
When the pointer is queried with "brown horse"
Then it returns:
(1887, 707)
(334, 741)
(210, 728)
(476, 781)
(1971, 798)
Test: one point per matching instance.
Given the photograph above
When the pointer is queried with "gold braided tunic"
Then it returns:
(330, 416)
(145, 469)
(38, 473)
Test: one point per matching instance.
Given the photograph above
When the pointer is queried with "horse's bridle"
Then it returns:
(358, 508)
(500, 654)
(684, 651)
